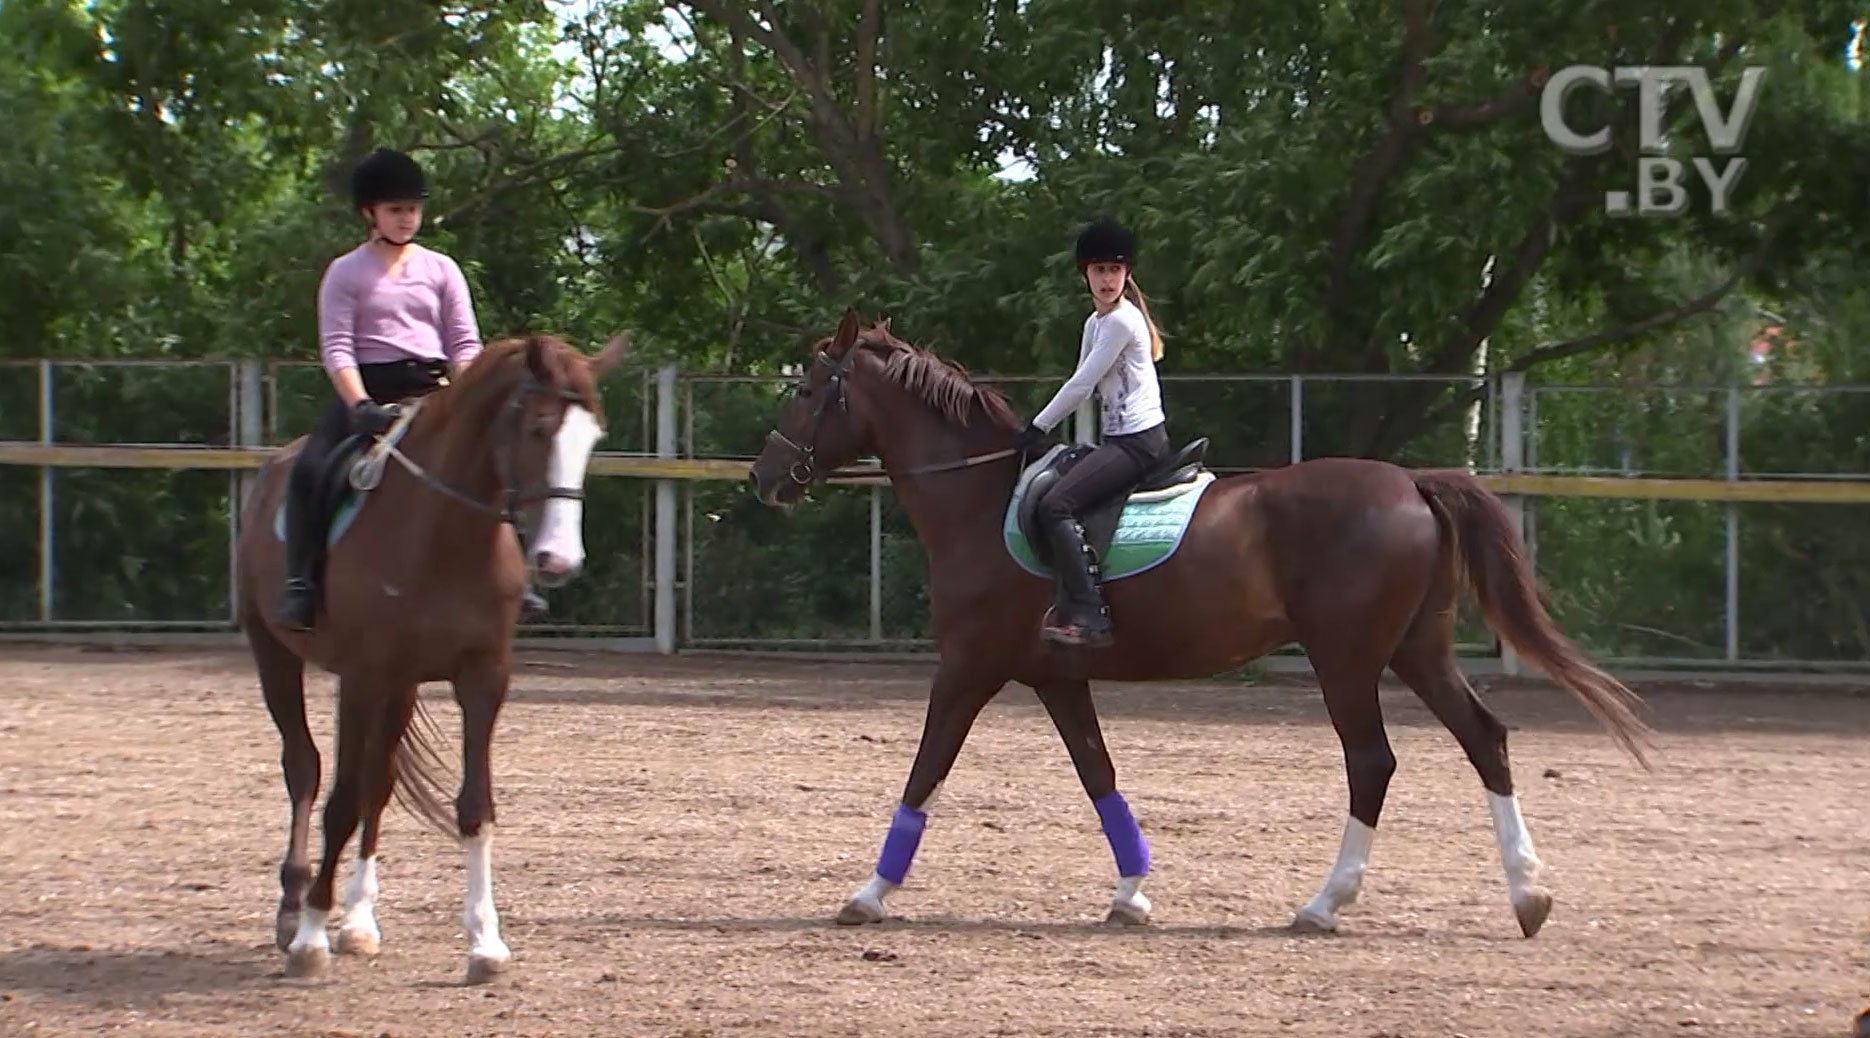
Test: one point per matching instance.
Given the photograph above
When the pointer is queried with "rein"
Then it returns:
(368, 470)
(805, 470)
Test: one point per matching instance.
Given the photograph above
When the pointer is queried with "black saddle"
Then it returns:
(1100, 518)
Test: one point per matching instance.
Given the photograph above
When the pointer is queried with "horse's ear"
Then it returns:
(535, 358)
(614, 351)
(846, 333)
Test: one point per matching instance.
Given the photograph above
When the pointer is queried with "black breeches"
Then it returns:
(1116, 464)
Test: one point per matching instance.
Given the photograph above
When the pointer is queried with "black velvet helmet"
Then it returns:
(387, 176)
(1106, 241)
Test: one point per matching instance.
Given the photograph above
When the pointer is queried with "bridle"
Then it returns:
(804, 470)
(506, 442)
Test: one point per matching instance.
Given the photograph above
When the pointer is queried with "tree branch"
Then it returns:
(1467, 115)
(1406, 123)
(549, 168)
(1606, 337)
(867, 117)
(863, 174)
(1661, 318)
(1374, 170)
(1568, 201)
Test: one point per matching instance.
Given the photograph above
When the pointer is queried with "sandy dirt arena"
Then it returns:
(675, 836)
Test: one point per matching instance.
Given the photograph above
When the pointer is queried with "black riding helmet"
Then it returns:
(387, 176)
(1106, 241)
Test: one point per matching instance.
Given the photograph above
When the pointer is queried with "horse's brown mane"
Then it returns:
(942, 384)
(486, 382)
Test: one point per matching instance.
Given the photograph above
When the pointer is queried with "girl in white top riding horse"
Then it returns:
(1117, 359)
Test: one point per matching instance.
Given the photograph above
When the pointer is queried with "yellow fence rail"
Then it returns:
(1778, 491)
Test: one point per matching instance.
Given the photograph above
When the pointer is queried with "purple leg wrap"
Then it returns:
(1126, 840)
(899, 847)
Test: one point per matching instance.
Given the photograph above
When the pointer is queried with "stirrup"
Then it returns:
(1076, 632)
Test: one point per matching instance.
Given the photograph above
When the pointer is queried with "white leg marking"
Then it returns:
(866, 906)
(487, 953)
(310, 950)
(1345, 881)
(1130, 905)
(1531, 902)
(558, 547)
(358, 933)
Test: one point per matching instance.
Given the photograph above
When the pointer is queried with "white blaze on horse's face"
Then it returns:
(558, 547)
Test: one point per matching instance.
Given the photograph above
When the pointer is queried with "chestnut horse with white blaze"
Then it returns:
(1358, 561)
(423, 582)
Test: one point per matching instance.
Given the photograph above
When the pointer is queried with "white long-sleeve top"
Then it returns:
(1113, 361)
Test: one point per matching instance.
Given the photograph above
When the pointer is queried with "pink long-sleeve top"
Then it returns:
(367, 317)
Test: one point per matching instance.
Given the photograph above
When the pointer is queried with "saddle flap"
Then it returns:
(1038, 480)
(334, 475)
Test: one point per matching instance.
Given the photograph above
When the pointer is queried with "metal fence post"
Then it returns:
(688, 512)
(1732, 611)
(665, 512)
(1296, 414)
(1512, 460)
(876, 563)
(249, 430)
(1084, 422)
(48, 572)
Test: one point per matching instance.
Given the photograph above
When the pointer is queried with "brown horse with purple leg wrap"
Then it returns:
(1357, 561)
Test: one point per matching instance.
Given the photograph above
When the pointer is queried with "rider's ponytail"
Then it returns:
(1135, 295)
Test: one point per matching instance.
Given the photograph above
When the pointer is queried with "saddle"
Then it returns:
(350, 470)
(356, 464)
(1176, 474)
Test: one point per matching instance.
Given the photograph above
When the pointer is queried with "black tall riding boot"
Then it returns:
(1081, 617)
(298, 605)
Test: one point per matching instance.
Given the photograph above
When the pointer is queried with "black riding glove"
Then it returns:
(369, 418)
(1031, 438)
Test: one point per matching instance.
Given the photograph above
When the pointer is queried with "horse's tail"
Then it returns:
(417, 770)
(1493, 560)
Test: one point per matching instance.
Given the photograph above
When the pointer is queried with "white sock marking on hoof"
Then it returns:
(1344, 882)
(479, 916)
(1130, 905)
(357, 931)
(310, 951)
(1531, 902)
(866, 906)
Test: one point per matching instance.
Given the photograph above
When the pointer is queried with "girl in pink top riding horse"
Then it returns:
(394, 321)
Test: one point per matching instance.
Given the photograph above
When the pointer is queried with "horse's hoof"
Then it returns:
(859, 910)
(1126, 915)
(1531, 909)
(482, 969)
(1310, 921)
(357, 942)
(1132, 910)
(308, 962)
(1862, 1029)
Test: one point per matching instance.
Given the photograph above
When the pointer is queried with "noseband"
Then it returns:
(804, 469)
